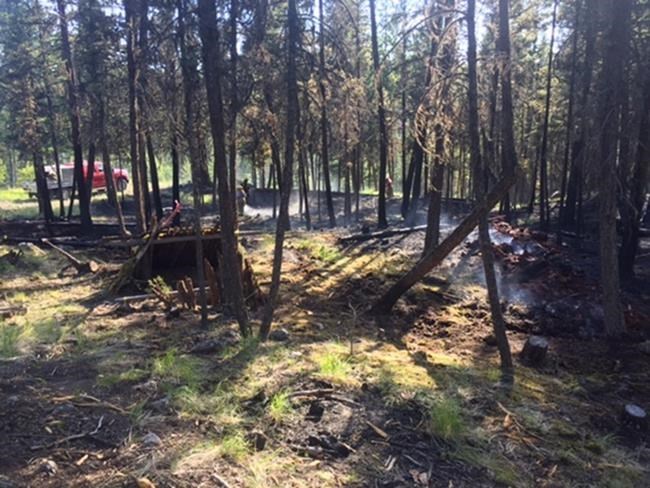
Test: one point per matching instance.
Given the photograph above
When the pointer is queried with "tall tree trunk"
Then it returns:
(616, 47)
(293, 117)
(42, 192)
(108, 168)
(73, 109)
(498, 321)
(579, 149)
(232, 272)
(234, 106)
(131, 14)
(569, 122)
(382, 222)
(155, 186)
(635, 202)
(507, 123)
(323, 117)
(544, 207)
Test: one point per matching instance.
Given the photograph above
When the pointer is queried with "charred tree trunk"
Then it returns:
(324, 124)
(579, 148)
(233, 288)
(155, 186)
(293, 116)
(131, 13)
(544, 207)
(108, 168)
(614, 58)
(73, 109)
(509, 152)
(487, 254)
(382, 222)
(42, 192)
(631, 225)
(569, 122)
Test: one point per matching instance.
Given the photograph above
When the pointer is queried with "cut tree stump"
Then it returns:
(534, 351)
(634, 416)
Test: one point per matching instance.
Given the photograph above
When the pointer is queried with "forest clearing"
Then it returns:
(337, 243)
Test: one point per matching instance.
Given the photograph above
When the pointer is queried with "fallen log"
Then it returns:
(435, 256)
(382, 234)
(82, 267)
(10, 311)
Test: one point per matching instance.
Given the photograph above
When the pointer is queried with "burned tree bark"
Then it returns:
(608, 118)
(382, 222)
(130, 10)
(324, 124)
(480, 178)
(232, 271)
(73, 110)
(293, 116)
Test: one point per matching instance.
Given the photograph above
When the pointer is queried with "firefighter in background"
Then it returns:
(389, 187)
(243, 194)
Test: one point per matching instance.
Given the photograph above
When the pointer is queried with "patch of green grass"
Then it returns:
(280, 406)
(220, 404)
(177, 369)
(327, 254)
(9, 336)
(132, 375)
(445, 420)
(334, 367)
(234, 446)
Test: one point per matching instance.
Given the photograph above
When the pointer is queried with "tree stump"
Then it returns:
(534, 351)
(634, 416)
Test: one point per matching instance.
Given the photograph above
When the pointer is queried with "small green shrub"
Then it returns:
(445, 420)
(280, 406)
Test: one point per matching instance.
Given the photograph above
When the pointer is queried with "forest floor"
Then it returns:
(100, 393)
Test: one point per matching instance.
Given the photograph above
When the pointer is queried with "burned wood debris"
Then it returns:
(165, 261)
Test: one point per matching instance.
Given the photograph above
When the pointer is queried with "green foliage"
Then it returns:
(9, 336)
(175, 369)
(234, 446)
(333, 366)
(445, 420)
(280, 406)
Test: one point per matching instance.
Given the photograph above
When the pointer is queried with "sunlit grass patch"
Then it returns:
(176, 369)
(132, 375)
(498, 467)
(444, 419)
(219, 404)
(9, 335)
(234, 446)
(334, 367)
(280, 406)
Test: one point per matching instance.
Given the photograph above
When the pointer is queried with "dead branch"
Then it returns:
(69, 438)
(81, 267)
(382, 234)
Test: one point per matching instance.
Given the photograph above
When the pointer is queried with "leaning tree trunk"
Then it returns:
(487, 253)
(232, 272)
(73, 110)
(293, 116)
